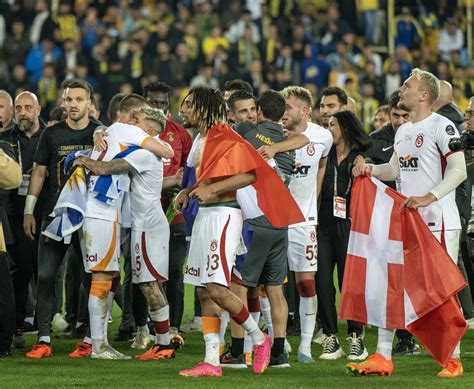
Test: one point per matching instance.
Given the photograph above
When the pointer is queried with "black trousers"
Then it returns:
(7, 304)
(174, 285)
(50, 257)
(332, 250)
(128, 320)
(23, 255)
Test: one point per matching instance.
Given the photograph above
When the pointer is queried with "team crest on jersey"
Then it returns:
(450, 130)
(310, 149)
(312, 236)
(419, 140)
(137, 248)
(170, 137)
(214, 245)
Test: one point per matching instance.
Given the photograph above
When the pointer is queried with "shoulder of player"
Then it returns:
(317, 133)
(442, 123)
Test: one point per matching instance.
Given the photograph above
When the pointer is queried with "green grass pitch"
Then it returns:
(63, 372)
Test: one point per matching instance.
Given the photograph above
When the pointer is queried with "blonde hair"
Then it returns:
(427, 82)
(155, 115)
(300, 93)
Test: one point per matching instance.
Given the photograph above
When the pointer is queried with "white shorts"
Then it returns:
(450, 242)
(216, 239)
(150, 255)
(302, 249)
(100, 245)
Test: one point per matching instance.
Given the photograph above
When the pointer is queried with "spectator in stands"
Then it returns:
(45, 52)
(408, 30)
(237, 30)
(451, 39)
(368, 105)
(17, 45)
(314, 69)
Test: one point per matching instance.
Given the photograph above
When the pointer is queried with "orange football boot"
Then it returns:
(40, 350)
(157, 352)
(374, 364)
(452, 369)
(83, 349)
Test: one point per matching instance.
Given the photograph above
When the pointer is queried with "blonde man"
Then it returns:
(430, 170)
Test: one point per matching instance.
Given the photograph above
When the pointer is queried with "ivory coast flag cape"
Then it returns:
(397, 274)
(225, 154)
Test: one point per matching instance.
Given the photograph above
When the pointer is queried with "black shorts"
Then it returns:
(266, 261)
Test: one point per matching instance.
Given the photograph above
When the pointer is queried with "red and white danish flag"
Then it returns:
(397, 274)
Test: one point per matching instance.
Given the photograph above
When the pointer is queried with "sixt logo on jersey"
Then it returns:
(408, 162)
(301, 170)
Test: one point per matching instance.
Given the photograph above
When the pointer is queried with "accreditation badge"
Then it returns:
(340, 207)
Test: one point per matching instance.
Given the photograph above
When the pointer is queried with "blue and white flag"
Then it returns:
(108, 188)
(70, 209)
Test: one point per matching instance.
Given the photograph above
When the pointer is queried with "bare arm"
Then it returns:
(293, 142)
(38, 175)
(173, 181)
(321, 172)
(159, 148)
(102, 168)
(37, 178)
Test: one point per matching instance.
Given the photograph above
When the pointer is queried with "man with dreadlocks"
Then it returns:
(224, 163)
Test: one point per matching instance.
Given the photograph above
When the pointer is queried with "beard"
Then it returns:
(77, 115)
(26, 124)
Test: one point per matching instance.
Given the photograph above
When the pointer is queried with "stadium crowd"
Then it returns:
(67, 68)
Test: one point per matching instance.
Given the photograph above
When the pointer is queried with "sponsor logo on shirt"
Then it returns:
(91, 258)
(408, 163)
(301, 170)
(192, 271)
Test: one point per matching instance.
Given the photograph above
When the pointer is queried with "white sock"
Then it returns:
(251, 327)
(308, 310)
(212, 349)
(45, 339)
(457, 351)
(225, 318)
(248, 344)
(143, 329)
(97, 313)
(87, 340)
(108, 312)
(29, 319)
(161, 315)
(267, 315)
(385, 342)
(198, 320)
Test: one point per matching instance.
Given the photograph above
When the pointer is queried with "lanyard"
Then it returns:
(335, 183)
(19, 155)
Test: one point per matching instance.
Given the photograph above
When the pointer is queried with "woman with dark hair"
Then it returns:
(349, 141)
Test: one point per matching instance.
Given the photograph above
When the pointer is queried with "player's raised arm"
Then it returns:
(293, 142)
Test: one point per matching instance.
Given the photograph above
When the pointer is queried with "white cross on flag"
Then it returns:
(397, 275)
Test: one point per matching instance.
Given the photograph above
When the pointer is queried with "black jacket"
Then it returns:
(382, 147)
(454, 114)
